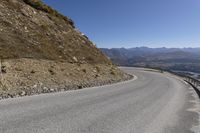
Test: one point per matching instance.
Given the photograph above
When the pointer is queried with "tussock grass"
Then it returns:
(39, 5)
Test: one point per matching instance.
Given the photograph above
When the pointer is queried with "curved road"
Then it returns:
(152, 103)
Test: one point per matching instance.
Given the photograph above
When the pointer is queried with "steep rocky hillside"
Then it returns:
(28, 32)
(42, 51)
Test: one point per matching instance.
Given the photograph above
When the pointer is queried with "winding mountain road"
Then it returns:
(153, 102)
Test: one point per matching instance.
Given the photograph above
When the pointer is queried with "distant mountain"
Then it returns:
(186, 59)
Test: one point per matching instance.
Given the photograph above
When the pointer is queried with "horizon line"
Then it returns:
(150, 47)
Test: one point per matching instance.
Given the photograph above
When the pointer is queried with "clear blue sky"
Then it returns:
(131, 23)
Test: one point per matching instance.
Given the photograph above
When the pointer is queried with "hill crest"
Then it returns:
(31, 29)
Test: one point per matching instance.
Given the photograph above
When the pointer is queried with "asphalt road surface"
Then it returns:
(151, 103)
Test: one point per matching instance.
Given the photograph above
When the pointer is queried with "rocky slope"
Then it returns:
(42, 51)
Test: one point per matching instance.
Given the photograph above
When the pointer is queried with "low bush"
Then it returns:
(39, 5)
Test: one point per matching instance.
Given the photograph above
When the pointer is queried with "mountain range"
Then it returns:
(181, 59)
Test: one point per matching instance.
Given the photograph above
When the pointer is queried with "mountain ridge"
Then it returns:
(187, 59)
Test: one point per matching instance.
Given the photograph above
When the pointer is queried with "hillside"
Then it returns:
(42, 51)
(185, 59)
(28, 32)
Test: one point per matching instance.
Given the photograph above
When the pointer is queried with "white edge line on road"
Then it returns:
(71, 91)
(118, 83)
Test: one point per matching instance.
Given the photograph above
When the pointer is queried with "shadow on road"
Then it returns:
(195, 88)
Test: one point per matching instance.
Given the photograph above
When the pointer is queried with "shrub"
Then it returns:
(3, 69)
(39, 5)
(98, 68)
(112, 72)
(84, 70)
(51, 71)
(44, 27)
(32, 72)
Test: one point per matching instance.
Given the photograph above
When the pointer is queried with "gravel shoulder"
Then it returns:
(22, 77)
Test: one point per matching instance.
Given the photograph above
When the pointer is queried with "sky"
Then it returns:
(135, 23)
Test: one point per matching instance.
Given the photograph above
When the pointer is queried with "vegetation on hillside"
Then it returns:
(31, 29)
(39, 5)
(42, 52)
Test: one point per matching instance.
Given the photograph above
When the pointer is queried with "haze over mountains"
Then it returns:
(182, 59)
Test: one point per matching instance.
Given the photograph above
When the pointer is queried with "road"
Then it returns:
(151, 103)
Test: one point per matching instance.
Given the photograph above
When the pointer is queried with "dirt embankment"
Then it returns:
(29, 76)
(41, 51)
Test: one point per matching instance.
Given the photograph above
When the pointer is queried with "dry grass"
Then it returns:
(39, 5)
(39, 32)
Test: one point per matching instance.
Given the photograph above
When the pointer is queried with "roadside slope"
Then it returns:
(41, 51)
